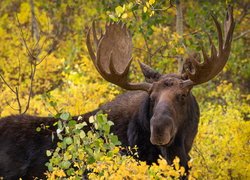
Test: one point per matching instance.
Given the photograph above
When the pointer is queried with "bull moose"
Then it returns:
(160, 116)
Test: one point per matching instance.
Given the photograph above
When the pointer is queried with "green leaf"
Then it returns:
(106, 128)
(110, 123)
(59, 136)
(111, 16)
(119, 10)
(60, 126)
(66, 164)
(50, 167)
(82, 134)
(48, 153)
(130, 5)
(72, 123)
(79, 118)
(114, 140)
(81, 125)
(68, 140)
(91, 119)
(38, 129)
(65, 116)
(70, 171)
(91, 160)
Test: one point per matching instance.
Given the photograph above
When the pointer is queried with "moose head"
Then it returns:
(169, 93)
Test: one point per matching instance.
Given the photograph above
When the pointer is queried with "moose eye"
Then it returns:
(168, 83)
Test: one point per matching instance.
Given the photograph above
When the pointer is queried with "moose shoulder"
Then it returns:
(159, 116)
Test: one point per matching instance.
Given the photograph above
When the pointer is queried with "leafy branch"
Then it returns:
(33, 55)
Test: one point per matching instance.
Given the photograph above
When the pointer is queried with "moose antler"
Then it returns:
(114, 55)
(203, 72)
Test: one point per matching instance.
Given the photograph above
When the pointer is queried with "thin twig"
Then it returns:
(5, 82)
(18, 101)
(192, 33)
(145, 40)
(167, 8)
(203, 158)
(22, 36)
(245, 12)
(159, 49)
(15, 109)
(19, 71)
(241, 35)
(33, 71)
(153, 54)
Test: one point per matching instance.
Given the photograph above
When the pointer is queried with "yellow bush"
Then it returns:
(221, 149)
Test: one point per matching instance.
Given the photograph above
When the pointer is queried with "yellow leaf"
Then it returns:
(60, 173)
(151, 2)
(91, 119)
(145, 9)
(152, 13)
(180, 50)
(124, 16)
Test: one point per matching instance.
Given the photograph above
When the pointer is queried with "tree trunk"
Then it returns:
(179, 30)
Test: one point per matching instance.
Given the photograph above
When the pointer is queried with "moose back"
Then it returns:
(159, 116)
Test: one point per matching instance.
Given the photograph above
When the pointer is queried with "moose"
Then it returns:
(160, 116)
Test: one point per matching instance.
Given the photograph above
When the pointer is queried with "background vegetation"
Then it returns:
(45, 69)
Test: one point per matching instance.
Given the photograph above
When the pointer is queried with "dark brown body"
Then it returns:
(23, 149)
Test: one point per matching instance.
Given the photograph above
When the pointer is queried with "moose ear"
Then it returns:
(150, 74)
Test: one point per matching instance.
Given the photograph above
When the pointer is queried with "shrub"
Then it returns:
(96, 154)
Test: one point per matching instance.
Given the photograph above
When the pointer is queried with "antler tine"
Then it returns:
(229, 27)
(90, 49)
(212, 47)
(218, 27)
(195, 65)
(212, 65)
(113, 56)
(94, 34)
(114, 71)
(204, 54)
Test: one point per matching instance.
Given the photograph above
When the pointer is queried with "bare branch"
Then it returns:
(33, 55)
(5, 82)
(19, 70)
(245, 7)
(23, 39)
(18, 101)
(15, 109)
(33, 71)
(167, 8)
(241, 35)
(148, 49)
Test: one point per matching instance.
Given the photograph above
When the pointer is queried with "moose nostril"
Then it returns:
(160, 135)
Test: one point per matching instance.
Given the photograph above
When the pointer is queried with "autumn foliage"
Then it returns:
(46, 40)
